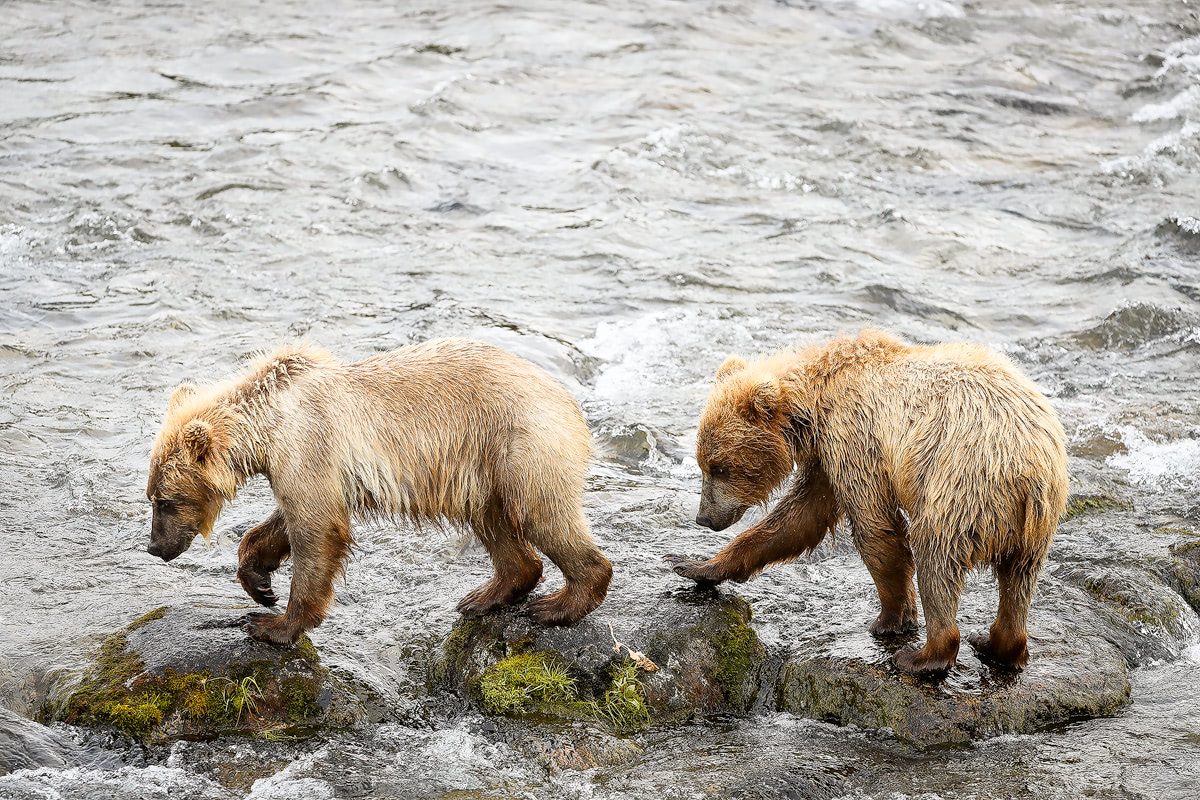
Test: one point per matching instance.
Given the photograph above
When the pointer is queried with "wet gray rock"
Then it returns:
(1185, 569)
(572, 746)
(1143, 616)
(25, 744)
(847, 676)
(790, 784)
(708, 659)
(1099, 610)
(193, 673)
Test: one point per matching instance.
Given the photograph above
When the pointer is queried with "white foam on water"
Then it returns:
(134, 783)
(1184, 54)
(1172, 464)
(290, 783)
(1187, 224)
(905, 10)
(1177, 106)
(1176, 145)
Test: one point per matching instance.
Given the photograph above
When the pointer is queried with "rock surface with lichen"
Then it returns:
(809, 652)
(707, 658)
(193, 673)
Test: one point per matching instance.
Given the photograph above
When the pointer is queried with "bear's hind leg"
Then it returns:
(1007, 642)
(568, 543)
(940, 581)
(262, 549)
(518, 568)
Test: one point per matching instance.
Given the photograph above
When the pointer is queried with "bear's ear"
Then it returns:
(762, 402)
(731, 365)
(197, 439)
(182, 392)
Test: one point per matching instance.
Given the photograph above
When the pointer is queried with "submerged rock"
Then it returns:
(1147, 619)
(191, 673)
(1185, 569)
(697, 654)
(24, 744)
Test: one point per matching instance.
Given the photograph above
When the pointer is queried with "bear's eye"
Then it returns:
(719, 471)
(164, 506)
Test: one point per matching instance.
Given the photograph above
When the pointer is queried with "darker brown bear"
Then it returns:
(449, 430)
(942, 458)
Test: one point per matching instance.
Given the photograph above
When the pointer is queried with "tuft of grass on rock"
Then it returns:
(512, 684)
(624, 704)
(538, 682)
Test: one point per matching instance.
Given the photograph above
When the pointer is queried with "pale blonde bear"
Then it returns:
(943, 458)
(447, 431)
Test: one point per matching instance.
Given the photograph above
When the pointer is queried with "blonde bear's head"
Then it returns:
(190, 474)
(741, 447)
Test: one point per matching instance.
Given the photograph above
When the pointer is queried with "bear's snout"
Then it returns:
(705, 521)
(157, 549)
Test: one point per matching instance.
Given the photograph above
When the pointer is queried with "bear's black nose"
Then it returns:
(155, 549)
(703, 520)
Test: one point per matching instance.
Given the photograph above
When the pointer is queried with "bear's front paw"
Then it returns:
(268, 628)
(699, 571)
(257, 584)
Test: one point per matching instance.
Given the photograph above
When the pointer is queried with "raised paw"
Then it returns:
(917, 662)
(268, 628)
(257, 584)
(1012, 654)
(699, 571)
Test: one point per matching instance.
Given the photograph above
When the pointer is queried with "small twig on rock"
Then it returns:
(638, 658)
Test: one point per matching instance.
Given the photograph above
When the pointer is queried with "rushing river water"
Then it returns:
(625, 193)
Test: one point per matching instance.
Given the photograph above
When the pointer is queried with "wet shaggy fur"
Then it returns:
(449, 431)
(943, 458)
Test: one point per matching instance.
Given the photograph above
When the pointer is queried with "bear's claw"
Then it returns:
(257, 585)
(559, 608)
(698, 571)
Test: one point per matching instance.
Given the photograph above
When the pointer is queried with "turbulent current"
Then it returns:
(625, 193)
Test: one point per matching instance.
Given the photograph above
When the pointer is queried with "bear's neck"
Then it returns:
(253, 419)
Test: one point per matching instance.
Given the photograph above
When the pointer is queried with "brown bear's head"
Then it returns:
(741, 447)
(190, 477)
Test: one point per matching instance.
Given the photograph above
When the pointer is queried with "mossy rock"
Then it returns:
(1067, 678)
(1084, 503)
(708, 660)
(1147, 619)
(190, 673)
(1185, 569)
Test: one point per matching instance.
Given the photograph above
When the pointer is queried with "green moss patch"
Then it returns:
(515, 683)
(624, 703)
(738, 651)
(540, 683)
(1082, 505)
